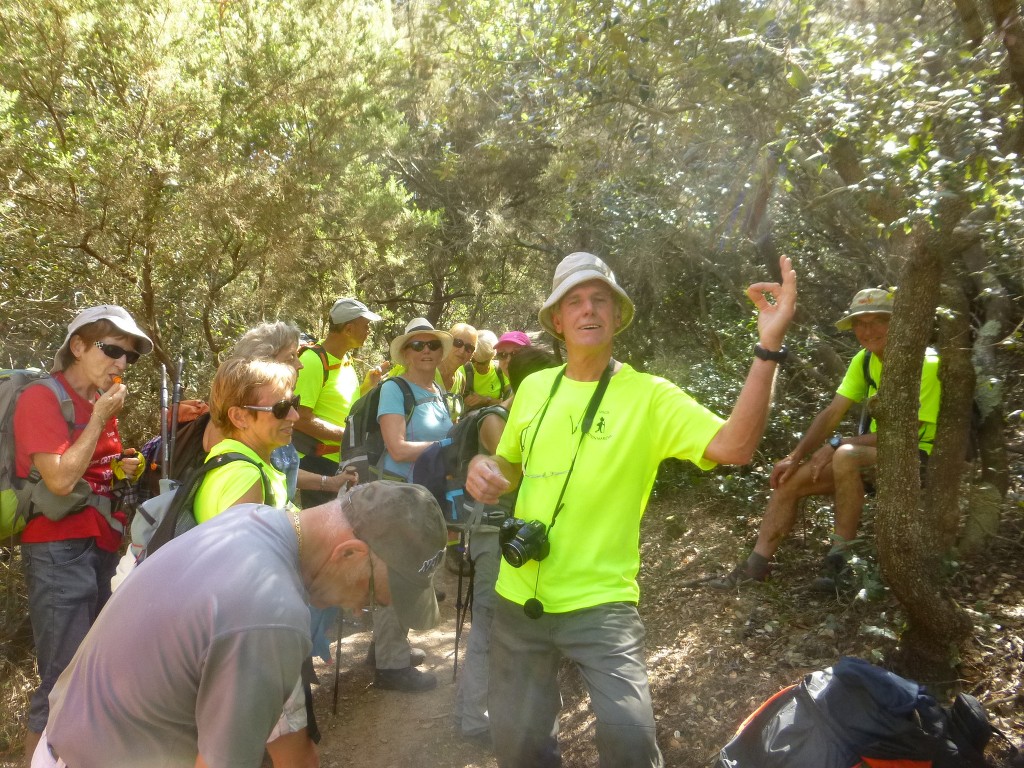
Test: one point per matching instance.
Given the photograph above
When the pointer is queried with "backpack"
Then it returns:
(471, 372)
(15, 492)
(442, 470)
(169, 514)
(854, 714)
(362, 446)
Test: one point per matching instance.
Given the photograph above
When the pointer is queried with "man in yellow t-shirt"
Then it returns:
(583, 444)
(328, 385)
(825, 462)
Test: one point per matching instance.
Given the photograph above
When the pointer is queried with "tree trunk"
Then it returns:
(908, 546)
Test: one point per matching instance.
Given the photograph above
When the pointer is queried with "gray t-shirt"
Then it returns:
(195, 653)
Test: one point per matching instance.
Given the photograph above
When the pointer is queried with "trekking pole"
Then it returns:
(337, 660)
(174, 410)
(164, 451)
(460, 608)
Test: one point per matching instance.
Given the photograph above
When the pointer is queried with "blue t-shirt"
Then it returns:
(430, 420)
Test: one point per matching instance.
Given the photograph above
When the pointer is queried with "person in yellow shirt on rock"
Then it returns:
(583, 444)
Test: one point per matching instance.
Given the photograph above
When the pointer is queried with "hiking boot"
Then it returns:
(407, 680)
(835, 575)
(416, 656)
(736, 578)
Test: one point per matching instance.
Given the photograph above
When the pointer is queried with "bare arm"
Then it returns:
(60, 472)
(739, 436)
(317, 427)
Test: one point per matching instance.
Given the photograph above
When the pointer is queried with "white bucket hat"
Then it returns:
(576, 268)
(416, 326)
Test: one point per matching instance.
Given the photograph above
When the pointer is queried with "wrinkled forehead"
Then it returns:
(589, 288)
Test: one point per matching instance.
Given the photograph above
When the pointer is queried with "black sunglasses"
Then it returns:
(417, 346)
(459, 344)
(507, 355)
(115, 352)
(280, 409)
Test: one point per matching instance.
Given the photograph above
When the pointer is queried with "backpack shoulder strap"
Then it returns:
(321, 353)
(408, 398)
(226, 458)
(67, 406)
(865, 413)
(867, 372)
(470, 371)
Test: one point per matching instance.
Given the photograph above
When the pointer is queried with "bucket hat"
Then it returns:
(416, 326)
(576, 268)
(867, 301)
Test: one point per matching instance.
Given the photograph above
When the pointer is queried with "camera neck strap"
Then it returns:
(588, 420)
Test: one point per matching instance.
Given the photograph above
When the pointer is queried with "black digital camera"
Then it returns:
(522, 542)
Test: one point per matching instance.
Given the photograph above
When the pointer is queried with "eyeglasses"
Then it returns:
(417, 346)
(507, 355)
(459, 344)
(280, 409)
(115, 352)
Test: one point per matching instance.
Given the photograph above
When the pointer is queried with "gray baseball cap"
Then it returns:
(347, 310)
(403, 525)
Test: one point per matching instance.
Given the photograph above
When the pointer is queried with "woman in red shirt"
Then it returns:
(69, 561)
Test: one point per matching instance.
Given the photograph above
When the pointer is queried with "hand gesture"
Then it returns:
(773, 317)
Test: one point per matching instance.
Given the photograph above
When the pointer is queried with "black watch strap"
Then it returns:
(767, 354)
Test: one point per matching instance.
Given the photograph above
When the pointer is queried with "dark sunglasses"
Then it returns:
(417, 346)
(115, 352)
(507, 355)
(459, 344)
(280, 409)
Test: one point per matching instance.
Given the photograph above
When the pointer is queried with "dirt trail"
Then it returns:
(388, 729)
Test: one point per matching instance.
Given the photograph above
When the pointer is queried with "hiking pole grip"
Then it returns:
(175, 402)
(164, 450)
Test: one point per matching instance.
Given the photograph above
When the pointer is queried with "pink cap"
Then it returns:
(518, 338)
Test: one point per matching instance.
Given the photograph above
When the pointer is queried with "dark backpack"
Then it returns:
(170, 514)
(442, 469)
(858, 714)
(362, 446)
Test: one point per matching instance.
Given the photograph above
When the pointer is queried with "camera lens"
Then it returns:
(514, 554)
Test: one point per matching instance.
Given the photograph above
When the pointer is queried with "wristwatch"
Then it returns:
(767, 354)
(835, 441)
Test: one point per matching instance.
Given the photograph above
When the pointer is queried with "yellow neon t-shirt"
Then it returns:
(595, 555)
(330, 400)
(224, 486)
(855, 387)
